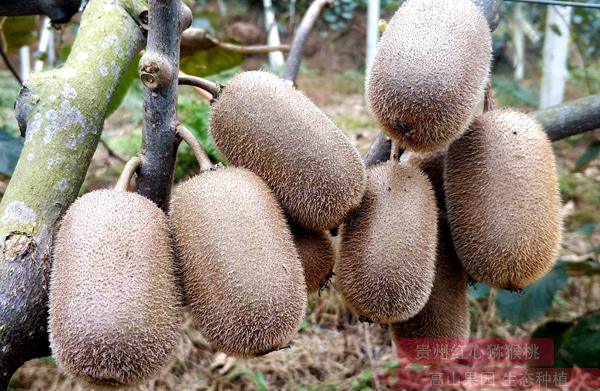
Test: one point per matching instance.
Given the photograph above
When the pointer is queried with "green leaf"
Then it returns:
(10, 150)
(596, 250)
(211, 61)
(559, 332)
(591, 153)
(479, 290)
(19, 31)
(130, 75)
(534, 300)
(584, 342)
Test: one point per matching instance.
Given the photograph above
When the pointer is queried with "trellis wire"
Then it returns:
(557, 2)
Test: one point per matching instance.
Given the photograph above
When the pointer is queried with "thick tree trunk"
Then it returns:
(556, 53)
(61, 112)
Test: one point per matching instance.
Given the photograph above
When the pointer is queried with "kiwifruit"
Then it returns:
(446, 314)
(386, 266)
(503, 200)
(429, 72)
(241, 272)
(432, 165)
(317, 254)
(114, 312)
(262, 123)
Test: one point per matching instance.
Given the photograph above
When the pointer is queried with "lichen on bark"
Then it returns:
(65, 111)
(61, 113)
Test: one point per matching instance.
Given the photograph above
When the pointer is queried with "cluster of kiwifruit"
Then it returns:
(243, 245)
(491, 182)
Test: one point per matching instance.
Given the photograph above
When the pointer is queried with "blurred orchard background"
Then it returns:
(542, 56)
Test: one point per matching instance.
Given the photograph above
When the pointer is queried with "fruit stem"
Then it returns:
(395, 151)
(192, 141)
(130, 168)
(488, 101)
(212, 88)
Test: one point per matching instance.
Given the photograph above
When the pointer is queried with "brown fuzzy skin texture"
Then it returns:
(267, 126)
(386, 266)
(430, 72)
(317, 254)
(115, 311)
(432, 165)
(503, 200)
(446, 314)
(242, 275)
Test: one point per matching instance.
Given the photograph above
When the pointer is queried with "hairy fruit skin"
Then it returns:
(429, 72)
(241, 273)
(503, 200)
(386, 266)
(446, 314)
(114, 312)
(267, 126)
(432, 165)
(317, 254)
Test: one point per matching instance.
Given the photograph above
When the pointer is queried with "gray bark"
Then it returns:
(159, 69)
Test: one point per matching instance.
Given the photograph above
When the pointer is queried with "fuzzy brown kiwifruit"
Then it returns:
(115, 310)
(446, 314)
(267, 126)
(386, 266)
(429, 72)
(432, 165)
(503, 200)
(317, 254)
(241, 272)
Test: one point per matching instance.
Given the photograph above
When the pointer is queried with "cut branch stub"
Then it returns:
(61, 113)
(155, 71)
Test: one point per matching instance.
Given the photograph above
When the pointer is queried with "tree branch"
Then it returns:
(571, 118)
(62, 112)
(491, 10)
(253, 49)
(159, 70)
(562, 121)
(10, 65)
(196, 39)
(292, 65)
(59, 11)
